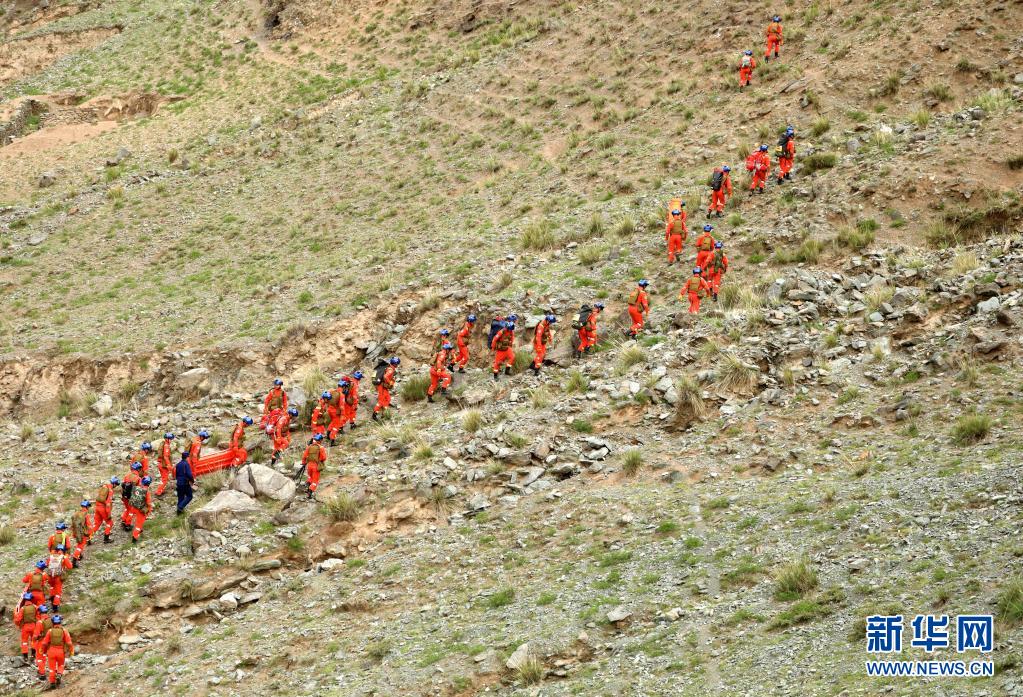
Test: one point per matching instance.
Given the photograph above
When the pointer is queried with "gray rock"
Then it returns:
(223, 506)
(992, 304)
(619, 614)
(36, 239)
(479, 502)
(852, 146)
(518, 657)
(194, 379)
(103, 406)
(47, 179)
(259, 480)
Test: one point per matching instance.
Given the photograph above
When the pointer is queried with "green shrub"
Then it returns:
(590, 255)
(632, 461)
(939, 91)
(818, 161)
(820, 126)
(794, 580)
(539, 236)
(7, 535)
(342, 507)
(1010, 603)
(626, 228)
(577, 382)
(971, 428)
(413, 388)
(472, 421)
(808, 252)
(500, 599)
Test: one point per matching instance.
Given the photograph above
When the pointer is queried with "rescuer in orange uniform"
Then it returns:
(105, 508)
(504, 349)
(639, 307)
(195, 448)
(350, 404)
(43, 625)
(716, 268)
(141, 456)
(462, 342)
(282, 434)
(588, 328)
(81, 528)
(542, 337)
(35, 582)
(25, 620)
(787, 148)
(774, 38)
(705, 246)
(57, 563)
(238, 441)
(275, 402)
(60, 536)
(164, 463)
(141, 506)
(320, 419)
(385, 385)
(129, 482)
(761, 168)
(693, 287)
(720, 186)
(335, 409)
(56, 645)
(746, 66)
(675, 232)
(439, 375)
(314, 456)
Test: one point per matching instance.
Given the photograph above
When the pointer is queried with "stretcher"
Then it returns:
(232, 457)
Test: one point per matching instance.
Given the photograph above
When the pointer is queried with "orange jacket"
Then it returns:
(283, 425)
(718, 264)
(195, 451)
(140, 456)
(752, 64)
(640, 299)
(106, 495)
(389, 378)
(61, 537)
(790, 149)
(131, 478)
(503, 340)
(465, 331)
(774, 29)
(763, 162)
(278, 396)
(591, 321)
(19, 615)
(166, 457)
(705, 242)
(441, 360)
(676, 226)
(238, 436)
(50, 638)
(542, 333)
(353, 392)
(315, 453)
(726, 183)
(33, 579)
(695, 285)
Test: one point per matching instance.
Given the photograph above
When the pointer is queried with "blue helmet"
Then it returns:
(598, 305)
(204, 434)
(358, 375)
(61, 525)
(342, 382)
(726, 168)
(513, 318)
(447, 346)
(247, 420)
(85, 503)
(44, 608)
(27, 596)
(61, 548)
(748, 53)
(146, 446)
(719, 245)
(676, 211)
(41, 565)
(510, 326)
(115, 481)
(146, 481)
(777, 18)
(293, 411)
(278, 382)
(708, 228)
(318, 437)
(136, 466)
(168, 436)
(56, 619)
(790, 129)
(643, 282)
(394, 360)
(763, 148)
(325, 395)
(697, 271)
(551, 319)
(471, 319)
(445, 331)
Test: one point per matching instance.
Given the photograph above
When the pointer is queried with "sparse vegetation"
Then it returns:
(342, 507)
(632, 461)
(472, 420)
(414, 387)
(736, 376)
(971, 429)
(819, 160)
(794, 580)
(539, 236)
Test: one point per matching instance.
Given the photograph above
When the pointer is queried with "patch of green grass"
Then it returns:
(615, 558)
(819, 161)
(794, 580)
(546, 599)
(971, 429)
(1010, 603)
(577, 382)
(800, 613)
(538, 236)
(820, 126)
(632, 461)
(472, 421)
(808, 252)
(582, 426)
(668, 527)
(342, 507)
(413, 388)
(501, 598)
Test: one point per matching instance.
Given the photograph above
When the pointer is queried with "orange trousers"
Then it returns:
(165, 473)
(27, 629)
(56, 660)
(784, 166)
(744, 76)
(440, 377)
(773, 44)
(637, 319)
(714, 279)
(56, 590)
(40, 657)
(462, 359)
(102, 518)
(759, 179)
(336, 423)
(126, 514)
(140, 520)
(694, 302)
(383, 399)
(717, 201)
(539, 353)
(348, 413)
(281, 443)
(586, 339)
(312, 476)
(703, 258)
(674, 247)
(505, 358)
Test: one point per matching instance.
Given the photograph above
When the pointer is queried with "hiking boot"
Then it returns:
(461, 370)
(451, 366)
(495, 376)
(780, 180)
(310, 494)
(715, 297)
(429, 398)
(42, 676)
(788, 175)
(536, 371)
(375, 418)
(720, 213)
(106, 539)
(180, 511)
(74, 563)
(507, 370)
(332, 442)
(134, 540)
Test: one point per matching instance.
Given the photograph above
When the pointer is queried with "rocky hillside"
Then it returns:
(197, 198)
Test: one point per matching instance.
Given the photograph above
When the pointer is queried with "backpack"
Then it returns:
(746, 61)
(717, 180)
(138, 498)
(126, 490)
(718, 262)
(751, 161)
(779, 152)
(55, 566)
(101, 494)
(581, 320)
(378, 372)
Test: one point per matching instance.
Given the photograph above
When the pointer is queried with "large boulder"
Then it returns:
(224, 506)
(260, 480)
(195, 379)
